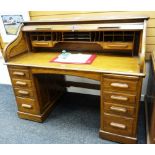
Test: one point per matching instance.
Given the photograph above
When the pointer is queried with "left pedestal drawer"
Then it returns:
(20, 83)
(19, 73)
(27, 105)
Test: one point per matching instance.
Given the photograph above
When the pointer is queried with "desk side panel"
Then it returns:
(17, 46)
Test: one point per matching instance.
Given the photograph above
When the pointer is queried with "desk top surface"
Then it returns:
(102, 64)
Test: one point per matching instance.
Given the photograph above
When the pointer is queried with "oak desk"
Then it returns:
(119, 67)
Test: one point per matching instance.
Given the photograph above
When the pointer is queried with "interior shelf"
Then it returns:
(102, 40)
(97, 36)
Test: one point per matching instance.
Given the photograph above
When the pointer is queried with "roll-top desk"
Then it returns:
(119, 45)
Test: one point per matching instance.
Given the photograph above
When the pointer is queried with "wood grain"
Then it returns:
(15, 47)
(38, 82)
(37, 15)
(101, 64)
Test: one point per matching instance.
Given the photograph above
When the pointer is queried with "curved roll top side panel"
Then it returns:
(16, 47)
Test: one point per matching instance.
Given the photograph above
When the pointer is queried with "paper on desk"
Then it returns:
(76, 59)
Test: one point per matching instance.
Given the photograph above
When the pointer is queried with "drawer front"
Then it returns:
(27, 105)
(118, 125)
(42, 44)
(24, 93)
(119, 98)
(19, 73)
(21, 83)
(118, 109)
(118, 45)
(119, 85)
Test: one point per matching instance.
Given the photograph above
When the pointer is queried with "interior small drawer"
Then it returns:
(19, 83)
(42, 44)
(19, 73)
(119, 109)
(27, 105)
(118, 45)
(118, 125)
(24, 92)
(124, 99)
(120, 85)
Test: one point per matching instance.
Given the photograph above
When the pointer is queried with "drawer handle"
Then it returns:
(26, 106)
(19, 73)
(23, 92)
(121, 98)
(117, 125)
(44, 43)
(42, 28)
(21, 83)
(119, 85)
(109, 27)
(118, 109)
(118, 46)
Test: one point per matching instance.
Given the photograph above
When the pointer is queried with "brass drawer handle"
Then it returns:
(21, 83)
(118, 46)
(120, 85)
(26, 106)
(23, 92)
(117, 125)
(119, 109)
(19, 73)
(121, 98)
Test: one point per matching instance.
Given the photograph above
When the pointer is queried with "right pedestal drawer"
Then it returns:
(121, 98)
(120, 85)
(118, 125)
(119, 107)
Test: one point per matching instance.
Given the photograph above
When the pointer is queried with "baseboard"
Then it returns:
(147, 125)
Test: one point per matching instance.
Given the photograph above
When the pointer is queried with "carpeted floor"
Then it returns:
(74, 120)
